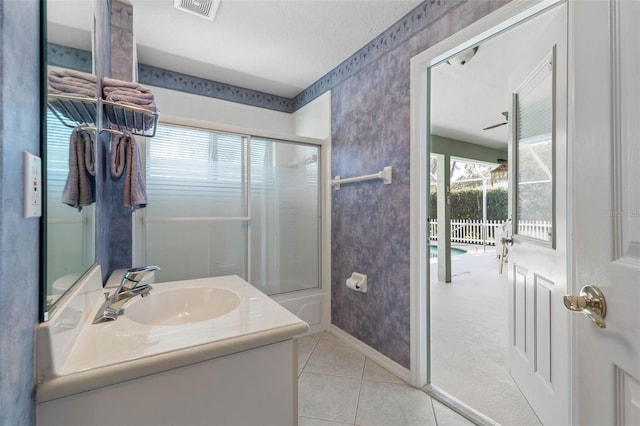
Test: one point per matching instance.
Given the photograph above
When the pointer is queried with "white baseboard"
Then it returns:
(384, 361)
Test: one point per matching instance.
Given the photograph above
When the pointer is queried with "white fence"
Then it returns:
(478, 232)
(468, 231)
(538, 229)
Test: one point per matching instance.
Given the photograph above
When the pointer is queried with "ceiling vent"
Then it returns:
(203, 8)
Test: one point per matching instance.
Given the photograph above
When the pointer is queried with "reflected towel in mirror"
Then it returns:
(125, 159)
(70, 82)
(79, 86)
(79, 189)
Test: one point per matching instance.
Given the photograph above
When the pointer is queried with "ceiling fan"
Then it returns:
(506, 117)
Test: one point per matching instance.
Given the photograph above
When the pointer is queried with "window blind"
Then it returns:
(196, 173)
(198, 221)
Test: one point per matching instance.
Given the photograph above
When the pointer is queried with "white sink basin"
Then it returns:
(181, 306)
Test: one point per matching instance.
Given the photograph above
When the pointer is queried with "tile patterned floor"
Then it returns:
(337, 385)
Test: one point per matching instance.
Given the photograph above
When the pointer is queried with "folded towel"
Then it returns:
(131, 94)
(71, 90)
(77, 75)
(79, 188)
(70, 82)
(141, 92)
(134, 99)
(127, 92)
(53, 77)
(115, 83)
(125, 156)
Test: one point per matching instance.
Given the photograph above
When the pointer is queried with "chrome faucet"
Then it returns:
(129, 287)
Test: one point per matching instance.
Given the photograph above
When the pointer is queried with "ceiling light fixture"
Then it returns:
(463, 57)
(203, 8)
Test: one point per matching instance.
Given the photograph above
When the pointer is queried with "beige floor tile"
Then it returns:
(373, 371)
(447, 417)
(306, 421)
(332, 392)
(309, 340)
(328, 339)
(306, 345)
(328, 397)
(385, 404)
(337, 361)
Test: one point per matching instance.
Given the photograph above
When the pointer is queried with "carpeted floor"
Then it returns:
(469, 338)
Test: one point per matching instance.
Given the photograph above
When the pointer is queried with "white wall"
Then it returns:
(314, 119)
(220, 114)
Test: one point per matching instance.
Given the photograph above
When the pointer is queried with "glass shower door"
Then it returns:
(285, 216)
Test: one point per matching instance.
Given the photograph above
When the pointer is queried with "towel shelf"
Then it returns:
(384, 174)
(135, 120)
(76, 111)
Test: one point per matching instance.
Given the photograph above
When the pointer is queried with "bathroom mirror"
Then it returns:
(68, 233)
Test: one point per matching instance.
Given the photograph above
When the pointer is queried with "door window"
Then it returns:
(534, 138)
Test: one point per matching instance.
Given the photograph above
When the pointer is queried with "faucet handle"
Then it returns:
(139, 269)
(134, 276)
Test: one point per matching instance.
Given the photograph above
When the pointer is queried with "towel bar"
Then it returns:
(384, 174)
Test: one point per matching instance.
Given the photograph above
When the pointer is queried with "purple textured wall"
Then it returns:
(19, 237)
(370, 221)
(122, 60)
(114, 58)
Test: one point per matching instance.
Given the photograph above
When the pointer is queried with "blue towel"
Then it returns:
(79, 189)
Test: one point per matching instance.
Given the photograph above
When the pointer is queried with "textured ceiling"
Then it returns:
(279, 47)
(466, 99)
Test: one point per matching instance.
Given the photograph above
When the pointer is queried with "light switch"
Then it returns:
(32, 185)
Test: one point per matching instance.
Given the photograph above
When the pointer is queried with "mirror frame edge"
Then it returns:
(43, 155)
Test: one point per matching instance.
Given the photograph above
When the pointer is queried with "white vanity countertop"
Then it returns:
(112, 352)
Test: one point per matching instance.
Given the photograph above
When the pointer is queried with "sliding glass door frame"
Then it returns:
(141, 220)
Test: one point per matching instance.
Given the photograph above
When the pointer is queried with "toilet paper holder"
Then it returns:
(357, 282)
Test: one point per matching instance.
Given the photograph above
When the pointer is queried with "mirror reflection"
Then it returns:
(70, 223)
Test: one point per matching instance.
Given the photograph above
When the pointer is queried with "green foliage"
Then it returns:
(466, 204)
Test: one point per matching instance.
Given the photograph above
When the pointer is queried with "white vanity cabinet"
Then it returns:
(253, 387)
(238, 367)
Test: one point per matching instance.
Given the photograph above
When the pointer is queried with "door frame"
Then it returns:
(485, 28)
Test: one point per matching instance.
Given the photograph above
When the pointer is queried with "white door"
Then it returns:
(538, 266)
(605, 159)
